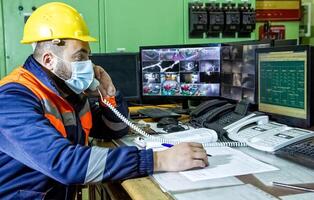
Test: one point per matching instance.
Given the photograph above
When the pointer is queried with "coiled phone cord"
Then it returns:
(162, 140)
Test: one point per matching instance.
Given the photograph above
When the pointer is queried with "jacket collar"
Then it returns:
(37, 70)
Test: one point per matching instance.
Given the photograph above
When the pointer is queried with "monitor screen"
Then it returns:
(283, 82)
(123, 70)
(181, 71)
(289, 42)
(238, 66)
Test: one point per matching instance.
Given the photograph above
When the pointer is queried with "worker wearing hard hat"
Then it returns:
(46, 117)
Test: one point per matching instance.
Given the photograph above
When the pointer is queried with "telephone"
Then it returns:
(151, 138)
(228, 116)
(275, 139)
(93, 87)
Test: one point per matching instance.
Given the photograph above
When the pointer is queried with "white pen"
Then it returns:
(293, 187)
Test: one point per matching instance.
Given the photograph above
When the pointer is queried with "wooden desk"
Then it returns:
(146, 189)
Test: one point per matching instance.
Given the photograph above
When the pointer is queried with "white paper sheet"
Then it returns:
(290, 173)
(304, 196)
(174, 181)
(226, 162)
(239, 192)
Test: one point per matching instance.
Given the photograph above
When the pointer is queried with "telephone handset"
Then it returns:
(93, 87)
(206, 106)
(254, 130)
(148, 137)
(209, 111)
(233, 130)
(216, 113)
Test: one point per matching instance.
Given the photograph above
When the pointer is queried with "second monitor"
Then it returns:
(181, 71)
(123, 69)
(285, 79)
(200, 70)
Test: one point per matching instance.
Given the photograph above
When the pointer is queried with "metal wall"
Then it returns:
(2, 49)
(117, 24)
(130, 24)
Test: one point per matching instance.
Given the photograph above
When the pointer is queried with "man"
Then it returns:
(46, 118)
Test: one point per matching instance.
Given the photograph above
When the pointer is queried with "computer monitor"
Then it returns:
(288, 42)
(285, 79)
(180, 71)
(238, 70)
(123, 70)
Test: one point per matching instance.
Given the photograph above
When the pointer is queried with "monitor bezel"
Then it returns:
(293, 121)
(167, 99)
(137, 97)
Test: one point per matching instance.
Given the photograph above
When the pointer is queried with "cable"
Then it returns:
(119, 115)
(161, 140)
(224, 144)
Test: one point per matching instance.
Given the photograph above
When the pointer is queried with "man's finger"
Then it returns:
(111, 91)
(103, 92)
(195, 144)
(199, 155)
(97, 72)
(199, 150)
(198, 163)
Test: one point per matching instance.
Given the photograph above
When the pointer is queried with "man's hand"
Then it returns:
(106, 86)
(181, 157)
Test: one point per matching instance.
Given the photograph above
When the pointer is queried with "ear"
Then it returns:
(48, 60)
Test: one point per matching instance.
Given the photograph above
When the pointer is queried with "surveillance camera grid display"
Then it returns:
(181, 71)
(238, 71)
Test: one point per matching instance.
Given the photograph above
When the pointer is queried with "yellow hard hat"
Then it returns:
(55, 21)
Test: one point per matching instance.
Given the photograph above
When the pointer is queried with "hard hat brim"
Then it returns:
(82, 38)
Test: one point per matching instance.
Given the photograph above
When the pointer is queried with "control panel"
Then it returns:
(248, 19)
(198, 20)
(214, 19)
(233, 19)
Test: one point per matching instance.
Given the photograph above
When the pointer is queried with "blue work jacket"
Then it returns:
(37, 162)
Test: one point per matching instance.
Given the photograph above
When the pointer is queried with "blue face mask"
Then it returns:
(82, 75)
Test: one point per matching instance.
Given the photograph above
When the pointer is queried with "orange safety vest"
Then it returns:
(57, 110)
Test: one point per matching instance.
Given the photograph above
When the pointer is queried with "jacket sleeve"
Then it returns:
(27, 136)
(106, 125)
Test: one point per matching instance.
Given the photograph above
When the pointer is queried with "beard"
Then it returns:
(62, 70)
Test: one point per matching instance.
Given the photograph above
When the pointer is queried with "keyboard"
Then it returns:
(157, 113)
(300, 152)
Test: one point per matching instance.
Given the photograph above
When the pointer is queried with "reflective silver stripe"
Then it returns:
(69, 119)
(115, 126)
(50, 109)
(96, 165)
(85, 109)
